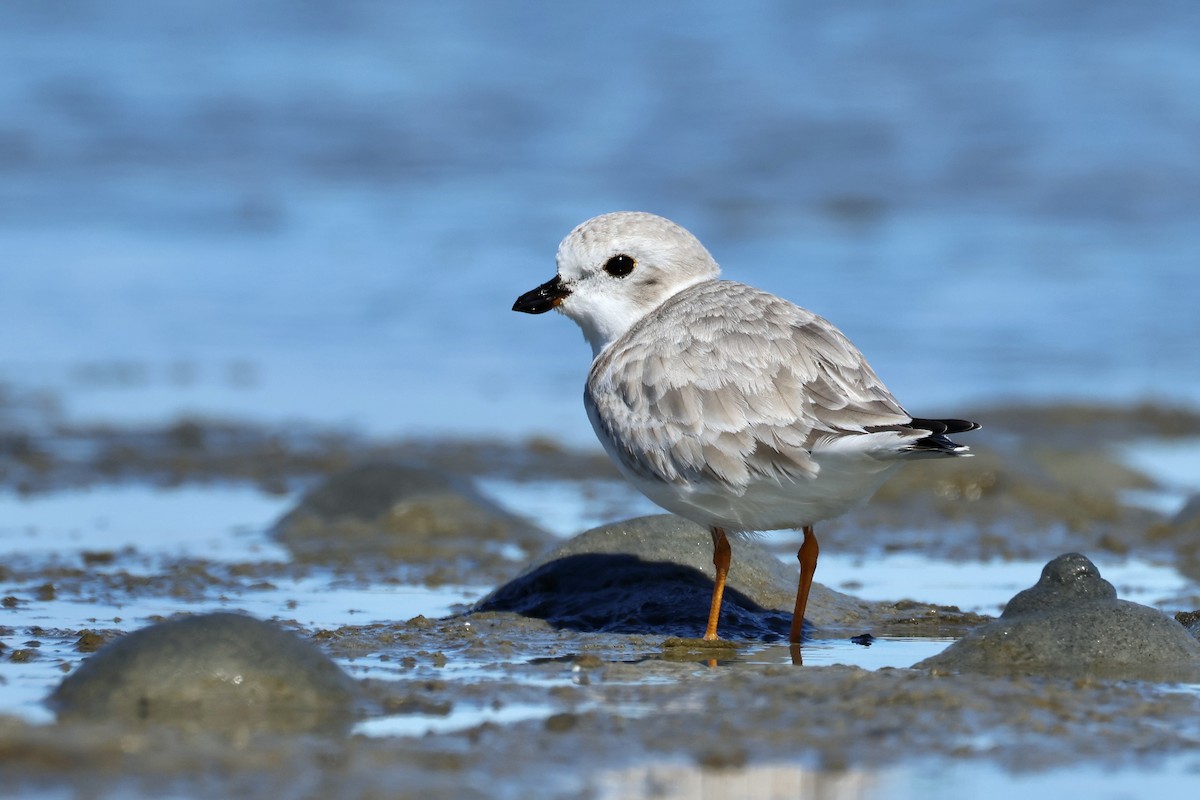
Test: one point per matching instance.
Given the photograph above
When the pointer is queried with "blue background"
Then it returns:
(323, 211)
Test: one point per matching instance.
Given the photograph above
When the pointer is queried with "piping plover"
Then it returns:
(722, 403)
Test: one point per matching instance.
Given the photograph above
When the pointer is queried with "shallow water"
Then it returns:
(138, 531)
(143, 531)
(221, 523)
(916, 781)
(150, 528)
(1175, 467)
(325, 213)
(458, 719)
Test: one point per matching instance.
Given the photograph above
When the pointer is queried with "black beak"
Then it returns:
(543, 298)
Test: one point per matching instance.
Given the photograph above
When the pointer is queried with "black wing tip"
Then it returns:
(944, 426)
(937, 441)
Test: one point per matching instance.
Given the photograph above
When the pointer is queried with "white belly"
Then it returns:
(844, 482)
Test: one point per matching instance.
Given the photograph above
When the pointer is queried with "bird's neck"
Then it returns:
(603, 327)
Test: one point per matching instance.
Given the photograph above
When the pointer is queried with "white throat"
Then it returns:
(604, 320)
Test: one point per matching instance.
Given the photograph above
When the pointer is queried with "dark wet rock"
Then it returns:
(655, 575)
(1191, 621)
(405, 513)
(1072, 623)
(213, 671)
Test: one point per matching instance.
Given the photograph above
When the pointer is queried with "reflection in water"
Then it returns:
(763, 782)
(919, 781)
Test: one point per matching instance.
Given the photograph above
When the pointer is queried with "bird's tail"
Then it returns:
(936, 442)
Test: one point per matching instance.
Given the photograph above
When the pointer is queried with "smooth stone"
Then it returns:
(218, 671)
(400, 512)
(1069, 580)
(1071, 623)
(655, 575)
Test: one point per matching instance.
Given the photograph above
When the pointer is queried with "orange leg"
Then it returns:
(721, 557)
(808, 565)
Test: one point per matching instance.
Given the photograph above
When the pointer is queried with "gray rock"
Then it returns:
(403, 513)
(213, 671)
(1071, 623)
(654, 575)
(1071, 580)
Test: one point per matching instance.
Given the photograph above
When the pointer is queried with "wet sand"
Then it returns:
(500, 705)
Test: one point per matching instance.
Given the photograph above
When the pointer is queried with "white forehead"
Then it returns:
(645, 237)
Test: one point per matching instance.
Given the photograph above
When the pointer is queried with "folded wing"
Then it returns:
(725, 381)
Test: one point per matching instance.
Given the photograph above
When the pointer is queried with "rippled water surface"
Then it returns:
(325, 211)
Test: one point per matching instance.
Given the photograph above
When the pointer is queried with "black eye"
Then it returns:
(620, 266)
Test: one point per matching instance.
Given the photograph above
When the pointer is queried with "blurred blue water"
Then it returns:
(323, 211)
